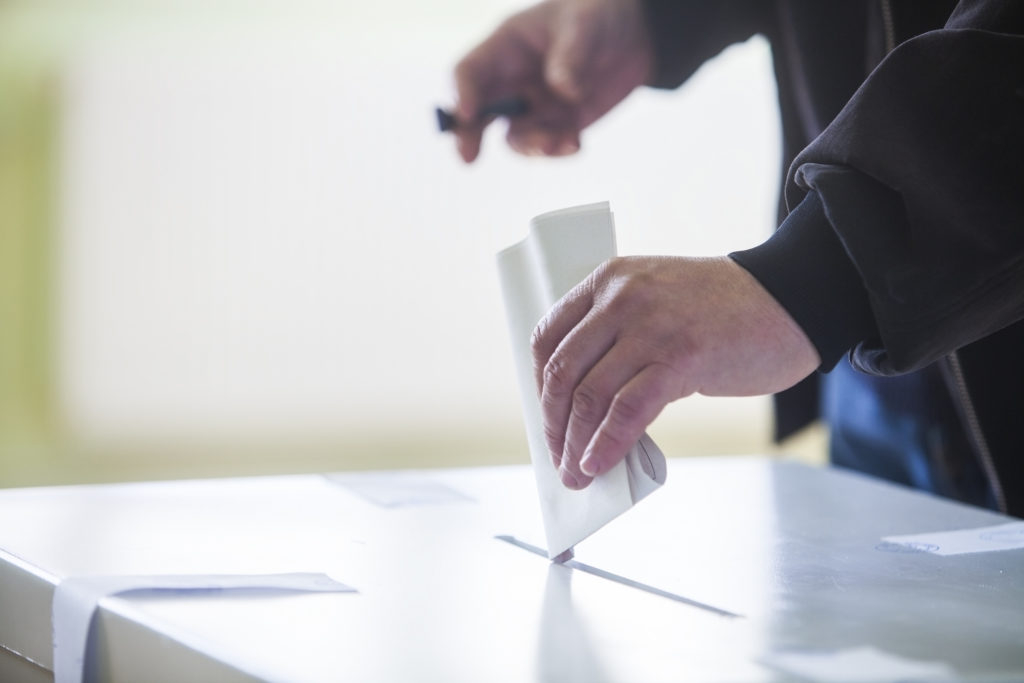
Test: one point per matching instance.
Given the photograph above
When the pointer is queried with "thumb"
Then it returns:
(565, 67)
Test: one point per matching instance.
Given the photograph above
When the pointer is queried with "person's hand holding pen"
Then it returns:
(567, 61)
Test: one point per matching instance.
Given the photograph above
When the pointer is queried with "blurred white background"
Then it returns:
(265, 256)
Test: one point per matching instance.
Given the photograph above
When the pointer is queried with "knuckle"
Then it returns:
(630, 290)
(527, 141)
(554, 434)
(555, 378)
(629, 411)
(538, 338)
(638, 290)
(586, 405)
(606, 272)
(555, 438)
(470, 72)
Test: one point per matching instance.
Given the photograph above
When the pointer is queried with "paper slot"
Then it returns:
(75, 601)
(616, 578)
(562, 248)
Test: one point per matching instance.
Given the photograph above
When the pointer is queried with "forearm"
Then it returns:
(917, 191)
(685, 34)
(806, 268)
(922, 179)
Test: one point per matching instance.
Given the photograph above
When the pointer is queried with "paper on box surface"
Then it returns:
(76, 598)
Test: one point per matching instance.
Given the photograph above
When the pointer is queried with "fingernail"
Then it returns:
(589, 465)
(567, 479)
(567, 148)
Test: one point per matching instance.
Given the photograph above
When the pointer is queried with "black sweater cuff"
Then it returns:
(806, 268)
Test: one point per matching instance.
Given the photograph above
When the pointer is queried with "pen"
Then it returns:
(510, 106)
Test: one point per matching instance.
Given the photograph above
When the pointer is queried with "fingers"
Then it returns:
(580, 415)
(634, 407)
(512, 62)
(532, 138)
(607, 411)
(553, 128)
(563, 317)
(561, 376)
(601, 381)
(564, 392)
(568, 57)
(469, 80)
(550, 128)
(598, 389)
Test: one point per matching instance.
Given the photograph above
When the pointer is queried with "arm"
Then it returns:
(686, 33)
(918, 185)
(574, 60)
(906, 241)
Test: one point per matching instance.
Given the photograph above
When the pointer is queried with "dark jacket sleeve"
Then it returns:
(921, 181)
(686, 33)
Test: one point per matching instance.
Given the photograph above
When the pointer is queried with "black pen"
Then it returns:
(510, 107)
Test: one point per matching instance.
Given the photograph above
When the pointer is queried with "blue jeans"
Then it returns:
(905, 429)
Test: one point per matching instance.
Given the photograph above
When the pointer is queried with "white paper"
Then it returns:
(862, 664)
(398, 489)
(1009, 536)
(562, 248)
(75, 601)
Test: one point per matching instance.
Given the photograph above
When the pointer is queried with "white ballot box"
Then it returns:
(740, 569)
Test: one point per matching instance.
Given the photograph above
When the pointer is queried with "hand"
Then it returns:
(641, 332)
(572, 60)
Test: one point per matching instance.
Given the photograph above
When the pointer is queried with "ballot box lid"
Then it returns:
(739, 568)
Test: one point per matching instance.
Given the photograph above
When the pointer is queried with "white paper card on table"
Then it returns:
(75, 601)
(398, 489)
(562, 248)
(863, 664)
(1009, 536)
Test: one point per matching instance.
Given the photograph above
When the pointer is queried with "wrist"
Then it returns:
(806, 268)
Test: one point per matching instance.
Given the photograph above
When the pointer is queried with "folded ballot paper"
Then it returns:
(562, 248)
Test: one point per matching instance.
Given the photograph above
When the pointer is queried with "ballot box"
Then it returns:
(738, 569)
